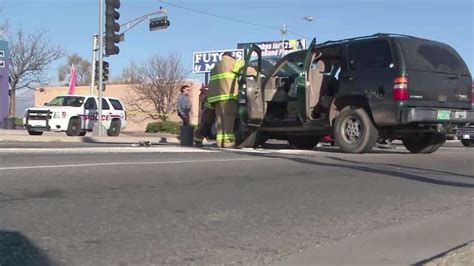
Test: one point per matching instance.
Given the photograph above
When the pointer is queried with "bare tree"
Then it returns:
(82, 67)
(3, 27)
(30, 56)
(155, 85)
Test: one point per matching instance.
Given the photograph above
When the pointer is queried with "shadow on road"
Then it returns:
(404, 167)
(17, 249)
(373, 168)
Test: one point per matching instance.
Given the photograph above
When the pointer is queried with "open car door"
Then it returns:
(309, 89)
(251, 98)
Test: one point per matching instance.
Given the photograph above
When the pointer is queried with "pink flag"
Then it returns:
(72, 81)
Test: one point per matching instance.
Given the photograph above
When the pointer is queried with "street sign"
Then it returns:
(204, 62)
(274, 48)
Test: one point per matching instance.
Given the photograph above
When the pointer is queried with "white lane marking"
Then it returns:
(130, 163)
(102, 150)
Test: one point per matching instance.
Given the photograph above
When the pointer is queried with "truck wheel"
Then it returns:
(35, 133)
(74, 127)
(303, 142)
(424, 143)
(83, 133)
(467, 142)
(354, 131)
(114, 129)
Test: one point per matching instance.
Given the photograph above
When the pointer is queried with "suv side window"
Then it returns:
(370, 55)
(116, 104)
(90, 104)
(105, 105)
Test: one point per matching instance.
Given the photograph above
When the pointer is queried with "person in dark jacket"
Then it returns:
(184, 105)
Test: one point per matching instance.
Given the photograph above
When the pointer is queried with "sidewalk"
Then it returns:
(406, 244)
(124, 138)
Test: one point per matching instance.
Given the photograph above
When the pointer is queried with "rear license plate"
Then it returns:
(443, 115)
(466, 137)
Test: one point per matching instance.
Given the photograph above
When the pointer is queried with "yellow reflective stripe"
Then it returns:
(225, 136)
(238, 65)
(222, 97)
(224, 75)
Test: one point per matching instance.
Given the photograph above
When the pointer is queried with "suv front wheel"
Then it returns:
(354, 131)
(74, 127)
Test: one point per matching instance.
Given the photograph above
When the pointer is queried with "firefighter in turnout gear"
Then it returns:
(222, 96)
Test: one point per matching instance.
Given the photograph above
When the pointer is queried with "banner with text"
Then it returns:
(274, 48)
(204, 62)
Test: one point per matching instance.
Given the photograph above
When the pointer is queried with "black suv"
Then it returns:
(359, 90)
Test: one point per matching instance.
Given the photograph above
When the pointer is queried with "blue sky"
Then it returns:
(71, 24)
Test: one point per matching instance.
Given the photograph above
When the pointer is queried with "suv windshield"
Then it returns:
(432, 56)
(73, 101)
(290, 67)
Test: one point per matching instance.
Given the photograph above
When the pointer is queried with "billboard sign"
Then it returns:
(204, 62)
(274, 48)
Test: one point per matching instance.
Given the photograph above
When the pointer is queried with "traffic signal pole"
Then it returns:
(98, 128)
(94, 59)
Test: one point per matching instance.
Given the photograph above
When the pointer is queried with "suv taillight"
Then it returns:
(400, 88)
(125, 112)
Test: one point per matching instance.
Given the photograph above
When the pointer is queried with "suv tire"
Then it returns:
(74, 127)
(425, 143)
(303, 142)
(35, 133)
(354, 131)
(467, 142)
(114, 129)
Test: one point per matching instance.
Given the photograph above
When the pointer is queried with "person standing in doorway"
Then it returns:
(184, 105)
(222, 96)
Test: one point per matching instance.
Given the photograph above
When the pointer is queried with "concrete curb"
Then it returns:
(22, 136)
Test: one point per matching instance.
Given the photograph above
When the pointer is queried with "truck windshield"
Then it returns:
(73, 101)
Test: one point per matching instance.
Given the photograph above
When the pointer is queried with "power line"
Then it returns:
(228, 18)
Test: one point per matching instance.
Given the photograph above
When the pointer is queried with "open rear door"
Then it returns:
(251, 98)
(309, 89)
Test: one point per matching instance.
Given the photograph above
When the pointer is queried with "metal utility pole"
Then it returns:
(94, 54)
(284, 32)
(98, 128)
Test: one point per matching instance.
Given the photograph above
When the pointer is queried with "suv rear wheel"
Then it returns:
(424, 143)
(467, 142)
(74, 127)
(354, 131)
(114, 129)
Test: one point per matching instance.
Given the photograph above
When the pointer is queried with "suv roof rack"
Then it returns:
(373, 36)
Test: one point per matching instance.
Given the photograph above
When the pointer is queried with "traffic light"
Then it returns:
(105, 71)
(112, 27)
(159, 23)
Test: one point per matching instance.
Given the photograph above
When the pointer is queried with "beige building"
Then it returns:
(136, 121)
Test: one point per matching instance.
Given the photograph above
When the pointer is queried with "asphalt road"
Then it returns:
(165, 205)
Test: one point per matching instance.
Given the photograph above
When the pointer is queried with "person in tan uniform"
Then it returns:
(222, 96)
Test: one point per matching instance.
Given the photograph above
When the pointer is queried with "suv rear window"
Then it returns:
(432, 56)
(116, 104)
(370, 55)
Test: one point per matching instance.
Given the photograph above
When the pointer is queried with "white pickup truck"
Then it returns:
(76, 115)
